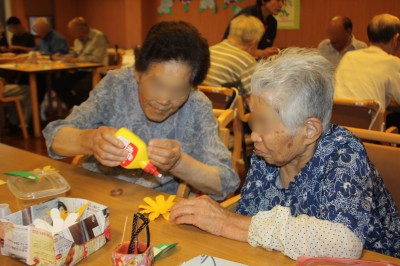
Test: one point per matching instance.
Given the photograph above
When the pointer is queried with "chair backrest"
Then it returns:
(238, 133)
(221, 97)
(384, 157)
(224, 118)
(115, 56)
(367, 114)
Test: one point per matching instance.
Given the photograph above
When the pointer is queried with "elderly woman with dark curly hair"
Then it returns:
(311, 189)
(158, 103)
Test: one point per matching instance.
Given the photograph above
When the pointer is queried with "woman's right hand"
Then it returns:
(107, 149)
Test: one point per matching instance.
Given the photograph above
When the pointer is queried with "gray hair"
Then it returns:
(299, 84)
(246, 28)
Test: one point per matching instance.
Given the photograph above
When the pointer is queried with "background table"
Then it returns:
(48, 67)
(96, 187)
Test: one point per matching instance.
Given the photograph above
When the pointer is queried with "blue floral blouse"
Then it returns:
(338, 184)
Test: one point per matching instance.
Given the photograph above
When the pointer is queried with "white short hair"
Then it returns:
(246, 28)
(299, 83)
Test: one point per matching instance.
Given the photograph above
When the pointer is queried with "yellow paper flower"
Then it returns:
(160, 206)
(47, 167)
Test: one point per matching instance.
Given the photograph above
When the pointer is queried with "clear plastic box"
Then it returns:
(29, 192)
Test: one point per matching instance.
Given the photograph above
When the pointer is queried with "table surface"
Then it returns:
(47, 66)
(96, 187)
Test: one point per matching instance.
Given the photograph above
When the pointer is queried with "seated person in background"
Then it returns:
(51, 42)
(231, 61)
(373, 73)
(340, 40)
(21, 41)
(90, 45)
(264, 10)
(311, 189)
(158, 103)
(3, 39)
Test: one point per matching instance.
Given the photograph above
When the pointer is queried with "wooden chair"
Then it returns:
(241, 140)
(224, 118)
(115, 57)
(221, 97)
(384, 157)
(231, 204)
(11, 101)
(366, 114)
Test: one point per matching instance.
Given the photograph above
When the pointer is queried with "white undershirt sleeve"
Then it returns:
(298, 236)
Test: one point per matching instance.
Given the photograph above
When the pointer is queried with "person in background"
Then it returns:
(340, 40)
(311, 189)
(159, 103)
(3, 39)
(264, 10)
(21, 41)
(51, 42)
(374, 72)
(231, 59)
(90, 45)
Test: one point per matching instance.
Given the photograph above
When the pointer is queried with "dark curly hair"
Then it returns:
(175, 40)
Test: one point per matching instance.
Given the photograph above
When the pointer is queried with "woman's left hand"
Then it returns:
(164, 153)
(202, 212)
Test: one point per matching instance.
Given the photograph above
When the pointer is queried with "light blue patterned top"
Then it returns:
(338, 184)
(114, 103)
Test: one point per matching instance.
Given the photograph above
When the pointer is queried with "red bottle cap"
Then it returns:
(151, 169)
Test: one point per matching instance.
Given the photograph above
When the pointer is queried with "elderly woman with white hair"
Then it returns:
(311, 189)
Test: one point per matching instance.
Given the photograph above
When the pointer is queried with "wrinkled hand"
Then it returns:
(267, 52)
(108, 149)
(202, 212)
(164, 153)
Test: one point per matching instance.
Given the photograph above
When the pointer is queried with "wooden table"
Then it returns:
(46, 67)
(95, 187)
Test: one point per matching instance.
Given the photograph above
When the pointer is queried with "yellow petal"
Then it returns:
(162, 207)
(170, 201)
(145, 211)
(147, 207)
(151, 202)
(153, 215)
(82, 209)
(166, 215)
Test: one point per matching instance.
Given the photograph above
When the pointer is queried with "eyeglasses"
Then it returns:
(134, 244)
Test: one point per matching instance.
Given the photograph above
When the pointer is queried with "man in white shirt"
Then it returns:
(373, 73)
(340, 40)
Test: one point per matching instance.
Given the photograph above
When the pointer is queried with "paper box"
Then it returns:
(21, 240)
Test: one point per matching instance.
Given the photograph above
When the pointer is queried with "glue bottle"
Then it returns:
(137, 149)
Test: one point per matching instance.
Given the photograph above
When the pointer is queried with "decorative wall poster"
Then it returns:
(165, 7)
(289, 17)
(186, 4)
(207, 4)
(235, 9)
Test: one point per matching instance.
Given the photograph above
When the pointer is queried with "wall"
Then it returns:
(126, 21)
(313, 19)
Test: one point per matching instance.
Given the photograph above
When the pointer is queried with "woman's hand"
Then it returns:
(108, 149)
(165, 154)
(202, 212)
